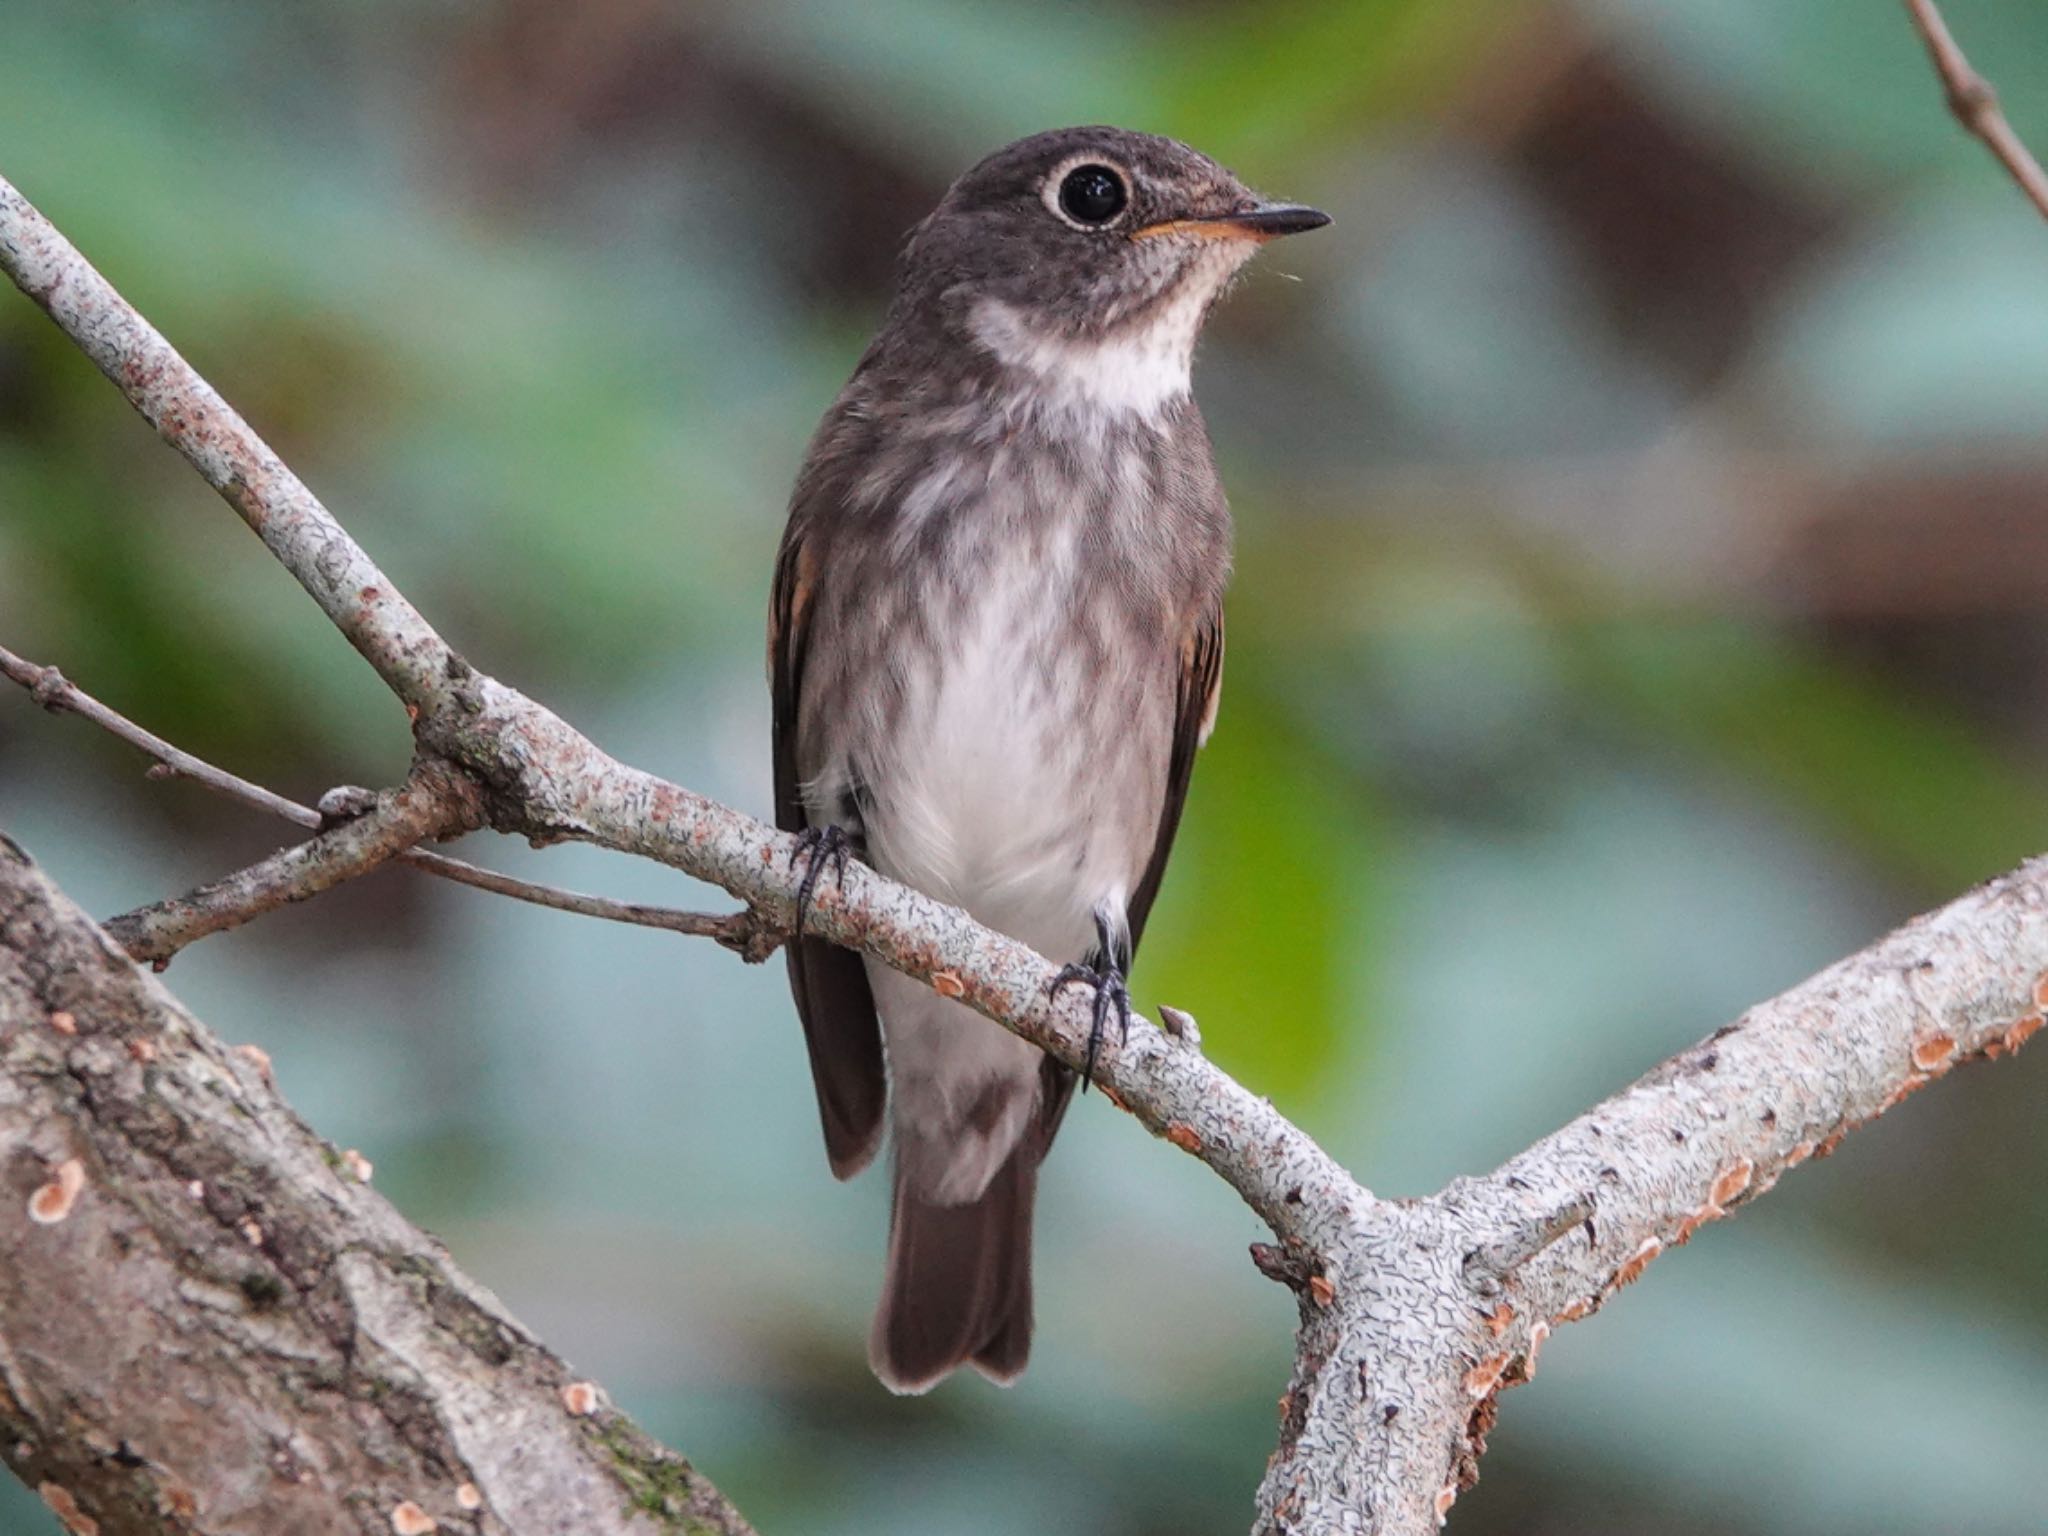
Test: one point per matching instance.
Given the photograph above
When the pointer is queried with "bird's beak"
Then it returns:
(1258, 222)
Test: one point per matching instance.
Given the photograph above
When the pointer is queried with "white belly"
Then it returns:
(992, 794)
(995, 792)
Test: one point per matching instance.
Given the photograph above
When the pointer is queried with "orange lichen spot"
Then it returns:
(2022, 1031)
(1183, 1136)
(1732, 1182)
(1829, 1143)
(408, 1519)
(1446, 1496)
(1799, 1154)
(65, 1023)
(1694, 1222)
(1498, 1319)
(580, 1398)
(1484, 1378)
(469, 1496)
(360, 1167)
(177, 1500)
(1285, 1407)
(65, 1508)
(1576, 1310)
(253, 1231)
(258, 1058)
(1932, 1051)
(1109, 1093)
(412, 713)
(52, 1202)
(947, 984)
(1320, 1288)
(1538, 1332)
(1634, 1265)
(143, 1051)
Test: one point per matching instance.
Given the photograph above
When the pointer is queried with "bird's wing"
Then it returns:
(1201, 686)
(830, 984)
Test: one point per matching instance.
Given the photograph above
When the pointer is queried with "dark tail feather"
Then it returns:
(958, 1287)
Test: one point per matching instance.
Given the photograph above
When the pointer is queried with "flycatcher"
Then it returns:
(995, 643)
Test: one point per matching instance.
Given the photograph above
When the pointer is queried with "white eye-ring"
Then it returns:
(1088, 191)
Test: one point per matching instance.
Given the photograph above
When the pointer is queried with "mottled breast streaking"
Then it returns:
(995, 643)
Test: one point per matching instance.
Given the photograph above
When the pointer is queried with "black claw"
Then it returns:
(818, 847)
(1107, 978)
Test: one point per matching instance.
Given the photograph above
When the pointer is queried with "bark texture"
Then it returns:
(210, 1324)
(1415, 1314)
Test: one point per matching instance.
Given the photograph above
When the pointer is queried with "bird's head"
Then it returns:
(1087, 258)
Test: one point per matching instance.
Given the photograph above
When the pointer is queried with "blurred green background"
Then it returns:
(1644, 540)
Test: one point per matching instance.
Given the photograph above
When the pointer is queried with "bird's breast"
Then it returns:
(1020, 769)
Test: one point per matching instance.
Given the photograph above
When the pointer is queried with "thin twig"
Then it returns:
(434, 801)
(1975, 103)
(743, 932)
(747, 934)
(58, 694)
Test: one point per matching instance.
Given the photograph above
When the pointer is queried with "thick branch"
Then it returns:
(433, 802)
(1429, 1309)
(1975, 103)
(209, 1325)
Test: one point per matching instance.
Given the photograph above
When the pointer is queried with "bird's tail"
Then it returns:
(958, 1285)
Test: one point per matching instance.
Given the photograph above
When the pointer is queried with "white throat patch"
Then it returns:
(1138, 371)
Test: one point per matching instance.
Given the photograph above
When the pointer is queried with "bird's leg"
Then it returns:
(818, 847)
(1106, 975)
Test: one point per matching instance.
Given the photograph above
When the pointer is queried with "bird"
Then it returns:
(995, 645)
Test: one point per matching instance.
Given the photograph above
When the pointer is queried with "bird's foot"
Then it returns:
(819, 848)
(1107, 978)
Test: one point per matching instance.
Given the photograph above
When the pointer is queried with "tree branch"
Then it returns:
(742, 932)
(1413, 1314)
(209, 1325)
(433, 802)
(1429, 1309)
(1975, 103)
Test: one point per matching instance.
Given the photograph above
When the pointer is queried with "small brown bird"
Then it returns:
(995, 643)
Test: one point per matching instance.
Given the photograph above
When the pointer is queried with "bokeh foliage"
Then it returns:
(1643, 553)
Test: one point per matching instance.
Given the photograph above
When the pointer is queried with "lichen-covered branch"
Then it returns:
(1413, 1315)
(1415, 1321)
(433, 802)
(740, 932)
(211, 1325)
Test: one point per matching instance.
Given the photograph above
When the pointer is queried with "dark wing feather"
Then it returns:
(830, 984)
(1201, 681)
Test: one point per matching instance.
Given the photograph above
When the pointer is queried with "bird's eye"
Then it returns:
(1092, 194)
